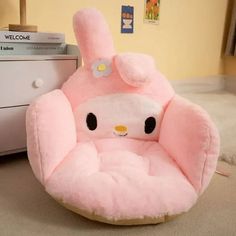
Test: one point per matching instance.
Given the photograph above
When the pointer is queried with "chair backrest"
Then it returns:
(113, 90)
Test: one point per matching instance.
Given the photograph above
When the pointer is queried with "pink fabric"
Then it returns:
(94, 39)
(50, 132)
(121, 179)
(114, 165)
(135, 69)
(191, 139)
(82, 86)
(95, 43)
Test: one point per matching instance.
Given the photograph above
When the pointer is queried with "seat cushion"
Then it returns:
(121, 179)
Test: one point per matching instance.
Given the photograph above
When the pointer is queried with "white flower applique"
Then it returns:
(101, 68)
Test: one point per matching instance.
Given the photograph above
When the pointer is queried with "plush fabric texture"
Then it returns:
(127, 110)
(197, 135)
(115, 141)
(122, 180)
(135, 69)
(223, 117)
(49, 137)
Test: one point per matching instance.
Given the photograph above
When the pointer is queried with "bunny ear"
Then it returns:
(135, 69)
(93, 35)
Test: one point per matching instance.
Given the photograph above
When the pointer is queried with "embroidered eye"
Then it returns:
(150, 124)
(91, 121)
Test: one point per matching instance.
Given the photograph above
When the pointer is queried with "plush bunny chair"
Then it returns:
(115, 143)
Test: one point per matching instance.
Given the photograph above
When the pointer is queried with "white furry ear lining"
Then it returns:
(137, 70)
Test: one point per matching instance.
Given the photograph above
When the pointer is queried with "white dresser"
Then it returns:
(22, 79)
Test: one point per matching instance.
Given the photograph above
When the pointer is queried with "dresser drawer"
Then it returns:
(12, 128)
(22, 81)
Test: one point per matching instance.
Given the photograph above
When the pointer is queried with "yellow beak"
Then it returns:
(121, 129)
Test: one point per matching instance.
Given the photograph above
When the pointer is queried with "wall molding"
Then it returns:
(205, 84)
(230, 83)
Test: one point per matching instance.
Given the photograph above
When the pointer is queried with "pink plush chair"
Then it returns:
(115, 143)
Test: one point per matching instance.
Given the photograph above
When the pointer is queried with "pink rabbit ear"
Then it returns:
(135, 69)
(93, 35)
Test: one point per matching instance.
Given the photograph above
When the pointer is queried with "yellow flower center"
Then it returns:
(101, 67)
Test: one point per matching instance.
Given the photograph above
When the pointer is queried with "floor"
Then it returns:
(26, 209)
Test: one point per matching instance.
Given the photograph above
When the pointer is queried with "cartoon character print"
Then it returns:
(114, 95)
(119, 115)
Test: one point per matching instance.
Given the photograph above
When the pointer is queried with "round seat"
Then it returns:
(114, 180)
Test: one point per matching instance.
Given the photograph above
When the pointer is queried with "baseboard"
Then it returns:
(205, 84)
(202, 84)
(230, 83)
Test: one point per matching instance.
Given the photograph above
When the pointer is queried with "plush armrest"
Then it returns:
(191, 139)
(51, 132)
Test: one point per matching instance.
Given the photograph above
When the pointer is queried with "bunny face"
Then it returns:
(118, 115)
(114, 95)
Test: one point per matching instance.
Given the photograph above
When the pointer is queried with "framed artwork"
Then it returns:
(127, 19)
(151, 11)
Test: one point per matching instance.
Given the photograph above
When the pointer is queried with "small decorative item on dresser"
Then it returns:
(24, 39)
(28, 43)
(23, 26)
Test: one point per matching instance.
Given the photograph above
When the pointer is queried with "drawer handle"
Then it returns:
(38, 83)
